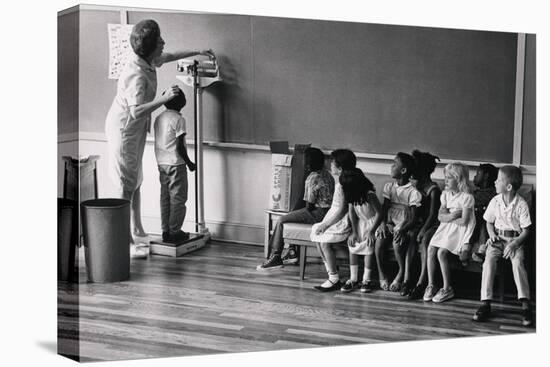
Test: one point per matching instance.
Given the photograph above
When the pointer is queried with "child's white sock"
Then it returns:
(353, 271)
(332, 279)
(367, 275)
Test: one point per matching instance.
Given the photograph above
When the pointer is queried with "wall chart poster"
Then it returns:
(119, 47)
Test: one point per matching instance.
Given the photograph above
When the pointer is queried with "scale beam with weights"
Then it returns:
(198, 74)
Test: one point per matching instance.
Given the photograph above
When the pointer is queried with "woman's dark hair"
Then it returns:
(344, 159)
(314, 158)
(177, 102)
(356, 186)
(425, 163)
(408, 163)
(144, 37)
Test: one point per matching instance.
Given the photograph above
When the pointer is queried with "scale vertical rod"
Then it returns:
(196, 88)
(200, 170)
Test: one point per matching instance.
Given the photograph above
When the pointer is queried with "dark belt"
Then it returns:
(507, 233)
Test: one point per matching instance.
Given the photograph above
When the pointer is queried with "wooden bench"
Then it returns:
(298, 234)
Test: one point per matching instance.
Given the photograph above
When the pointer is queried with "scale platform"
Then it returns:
(194, 242)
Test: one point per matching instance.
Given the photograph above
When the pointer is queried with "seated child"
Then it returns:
(484, 191)
(401, 202)
(172, 159)
(365, 214)
(427, 219)
(457, 222)
(318, 191)
(335, 227)
(508, 225)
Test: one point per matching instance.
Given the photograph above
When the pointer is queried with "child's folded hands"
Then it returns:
(352, 239)
(493, 239)
(371, 239)
(320, 229)
(382, 231)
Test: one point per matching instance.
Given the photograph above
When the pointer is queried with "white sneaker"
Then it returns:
(444, 295)
(138, 252)
(429, 293)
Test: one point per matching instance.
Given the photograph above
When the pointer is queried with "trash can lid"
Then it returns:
(105, 203)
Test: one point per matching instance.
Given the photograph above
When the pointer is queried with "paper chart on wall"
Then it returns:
(119, 47)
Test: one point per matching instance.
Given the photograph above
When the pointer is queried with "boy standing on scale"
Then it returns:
(172, 160)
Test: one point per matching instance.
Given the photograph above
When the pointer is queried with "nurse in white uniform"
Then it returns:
(129, 118)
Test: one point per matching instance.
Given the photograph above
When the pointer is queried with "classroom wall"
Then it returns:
(236, 187)
(68, 73)
(449, 91)
(236, 179)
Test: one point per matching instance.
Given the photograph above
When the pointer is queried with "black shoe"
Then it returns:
(274, 262)
(367, 287)
(483, 313)
(178, 237)
(405, 289)
(291, 257)
(333, 287)
(165, 236)
(348, 286)
(527, 317)
(416, 293)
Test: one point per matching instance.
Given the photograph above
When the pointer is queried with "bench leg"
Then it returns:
(303, 250)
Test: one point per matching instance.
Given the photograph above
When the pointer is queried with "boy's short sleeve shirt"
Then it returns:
(513, 216)
(169, 125)
(178, 125)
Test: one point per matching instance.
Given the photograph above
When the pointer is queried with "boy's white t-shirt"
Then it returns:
(169, 125)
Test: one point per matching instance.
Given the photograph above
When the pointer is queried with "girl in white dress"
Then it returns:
(365, 214)
(335, 226)
(457, 219)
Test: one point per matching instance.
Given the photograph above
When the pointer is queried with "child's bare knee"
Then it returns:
(442, 253)
(432, 251)
(324, 246)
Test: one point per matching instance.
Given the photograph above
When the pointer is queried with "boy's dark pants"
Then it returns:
(173, 196)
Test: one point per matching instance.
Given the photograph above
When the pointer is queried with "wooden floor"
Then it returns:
(214, 301)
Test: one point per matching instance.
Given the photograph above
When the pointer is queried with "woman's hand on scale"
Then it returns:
(208, 53)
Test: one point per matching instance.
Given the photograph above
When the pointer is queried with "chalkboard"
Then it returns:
(370, 87)
(382, 89)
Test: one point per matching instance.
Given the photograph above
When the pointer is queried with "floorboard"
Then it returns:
(214, 301)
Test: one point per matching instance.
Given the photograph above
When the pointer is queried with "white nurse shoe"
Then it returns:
(141, 240)
(138, 252)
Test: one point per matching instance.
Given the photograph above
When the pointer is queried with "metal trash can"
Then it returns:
(67, 238)
(106, 231)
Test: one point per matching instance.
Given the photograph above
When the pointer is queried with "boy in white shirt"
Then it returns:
(508, 226)
(172, 159)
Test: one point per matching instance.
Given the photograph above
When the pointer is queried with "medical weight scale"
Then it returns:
(198, 74)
